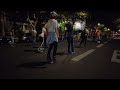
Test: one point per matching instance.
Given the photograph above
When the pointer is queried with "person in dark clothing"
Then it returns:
(69, 35)
(12, 36)
(83, 38)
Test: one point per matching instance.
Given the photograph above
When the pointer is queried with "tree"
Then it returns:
(3, 18)
(82, 14)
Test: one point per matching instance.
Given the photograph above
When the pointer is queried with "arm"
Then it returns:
(56, 29)
(36, 21)
(57, 32)
(46, 32)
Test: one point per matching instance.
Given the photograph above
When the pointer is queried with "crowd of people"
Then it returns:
(49, 36)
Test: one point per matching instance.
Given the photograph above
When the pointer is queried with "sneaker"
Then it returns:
(54, 59)
(51, 62)
(68, 53)
(49, 59)
(72, 52)
(12, 45)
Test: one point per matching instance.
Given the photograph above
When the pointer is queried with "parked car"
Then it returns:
(5, 40)
(27, 38)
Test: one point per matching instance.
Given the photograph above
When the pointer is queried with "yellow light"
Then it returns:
(98, 23)
(108, 29)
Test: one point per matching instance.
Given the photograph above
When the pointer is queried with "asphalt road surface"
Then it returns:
(96, 61)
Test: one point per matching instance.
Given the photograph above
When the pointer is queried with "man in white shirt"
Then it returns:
(52, 37)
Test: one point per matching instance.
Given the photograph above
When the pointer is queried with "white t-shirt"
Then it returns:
(51, 25)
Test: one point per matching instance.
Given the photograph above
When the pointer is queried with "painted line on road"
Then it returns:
(105, 42)
(99, 45)
(114, 57)
(81, 56)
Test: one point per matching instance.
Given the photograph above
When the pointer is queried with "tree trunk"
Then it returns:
(3, 28)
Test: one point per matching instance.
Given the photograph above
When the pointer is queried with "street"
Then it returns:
(95, 61)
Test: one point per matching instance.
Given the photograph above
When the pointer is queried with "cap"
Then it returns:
(53, 14)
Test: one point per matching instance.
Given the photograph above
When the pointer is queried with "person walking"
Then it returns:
(52, 36)
(41, 38)
(84, 35)
(98, 36)
(69, 35)
(12, 38)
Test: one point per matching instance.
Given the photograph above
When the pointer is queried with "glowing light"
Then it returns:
(98, 23)
(108, 29)
(77, 26)
(59, 24)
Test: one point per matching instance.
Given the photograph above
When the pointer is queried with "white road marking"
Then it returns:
(114, 57)
(79, 57)
(99, 45)
(105, 42)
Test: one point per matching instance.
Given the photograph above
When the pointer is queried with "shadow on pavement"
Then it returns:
(60, 53)
(30, 50)
(33, 65)
(35, 46)
(77, 46)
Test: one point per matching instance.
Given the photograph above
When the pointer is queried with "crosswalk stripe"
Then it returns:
(79, 57)
(99, 45)
(114, 57)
